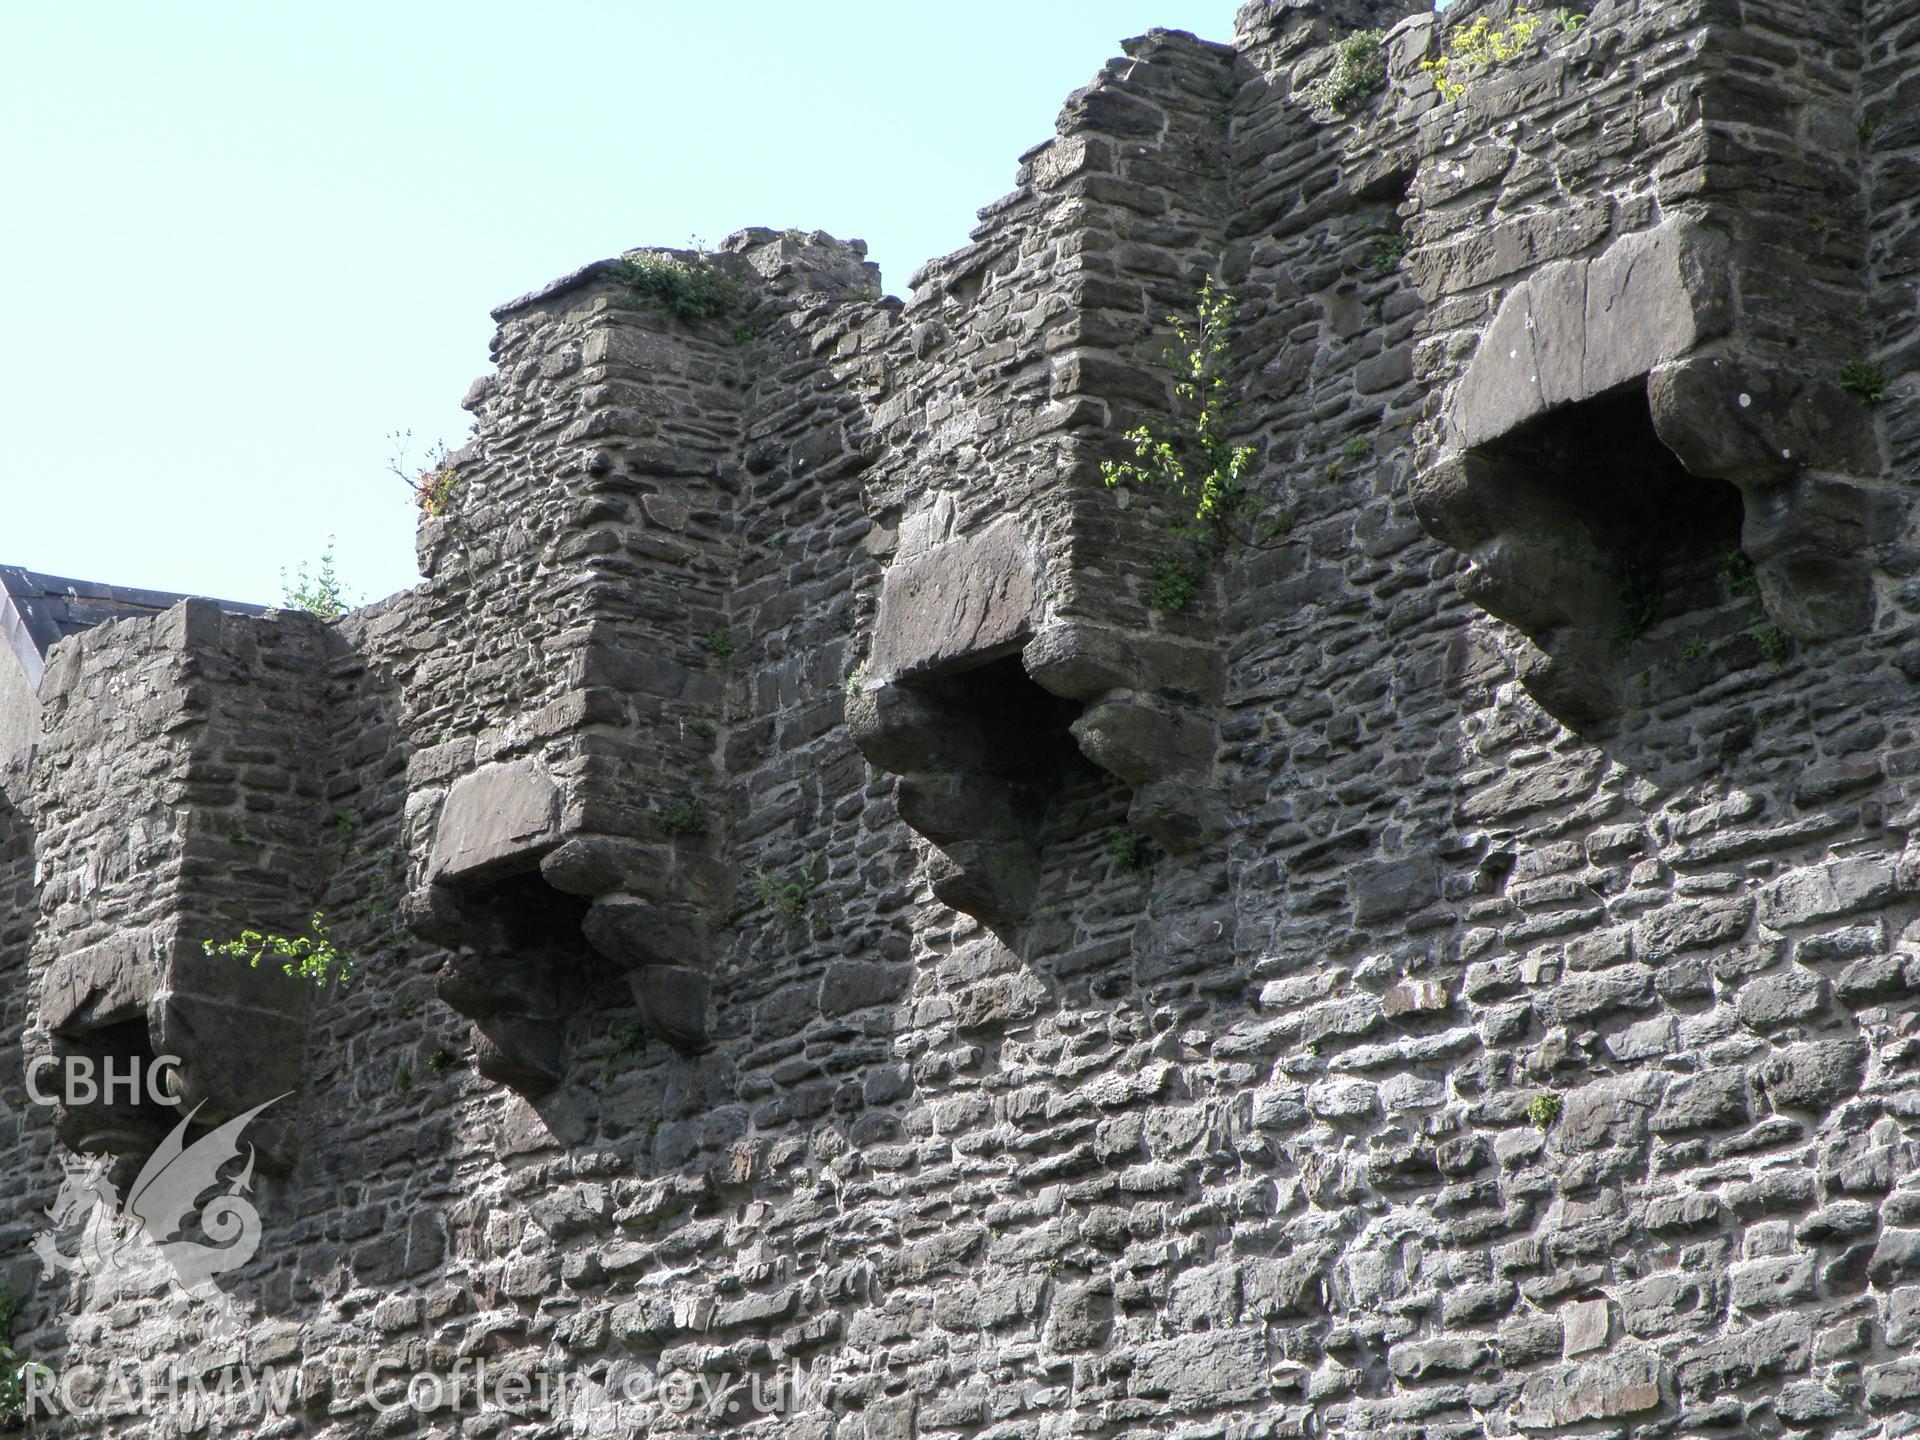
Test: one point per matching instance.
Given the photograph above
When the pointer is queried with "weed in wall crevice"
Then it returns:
(1175, 584)
(688, 289)
(1225, 88)
(1358, 71)
(433, 484)
(1865, 380)
(1639, 596)
(312, 957)
(683, 815)
(1736, 575)
(1188, 460)
(319, 592)
(1775, 644)
(1389, 248)
(789, 896)
(1480, 44)
(1129, 851)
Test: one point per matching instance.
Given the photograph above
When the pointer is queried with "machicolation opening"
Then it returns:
(1594, 540)
(123, 1120)
(988, 753)
(521, 970)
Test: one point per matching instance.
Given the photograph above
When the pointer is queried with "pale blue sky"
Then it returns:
(246, 241)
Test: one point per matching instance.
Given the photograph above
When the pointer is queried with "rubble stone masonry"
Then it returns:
(815, 917)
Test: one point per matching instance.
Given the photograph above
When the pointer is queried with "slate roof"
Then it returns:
(37, 610)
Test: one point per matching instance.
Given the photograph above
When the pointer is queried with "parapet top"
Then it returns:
(37, 611)
(780, 260)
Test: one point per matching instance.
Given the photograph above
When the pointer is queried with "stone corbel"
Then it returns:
(1794, 444)
(651, 912)
(947, 708)
(520, 900)
(966, 781)
(1651, 314)
(236, 1036)
(1149, 714)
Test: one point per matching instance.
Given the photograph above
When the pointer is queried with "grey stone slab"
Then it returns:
(499, 816)
(958, 602)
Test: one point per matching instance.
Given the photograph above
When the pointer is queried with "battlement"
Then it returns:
(833, 879)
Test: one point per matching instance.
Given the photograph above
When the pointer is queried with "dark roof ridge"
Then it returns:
(37, 610)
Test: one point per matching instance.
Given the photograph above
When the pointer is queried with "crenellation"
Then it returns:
(1450, 977)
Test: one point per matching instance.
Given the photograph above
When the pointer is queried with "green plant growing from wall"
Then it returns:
(1866, 380)
(1639, 596)
(312, 957)
(1188, 459)
(630, 1041)
(1775, 644)
(1225, 88)
(1359, 69)
(1129, 851)
(1389, 248)
(1175, 583)
(440, 1060)
(684, 815)
(14, 1372)
(688, 289)
(1481, 44)
(383, 881)
(319, 592)
(1544, 1111)
(788, 896)
(437, 489)
(1736, 574)
(719, 644)
(434, 483)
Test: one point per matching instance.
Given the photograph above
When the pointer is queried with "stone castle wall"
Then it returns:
(1512, 1033)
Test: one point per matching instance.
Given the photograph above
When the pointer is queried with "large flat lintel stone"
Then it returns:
(106, 982)
(956, 603)
(498, 816)
(1579, 328)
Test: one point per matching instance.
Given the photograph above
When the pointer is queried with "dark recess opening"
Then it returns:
(1023, 729)
(1667, 532)
(127, 1130)
(521, 971)
(522, 913)
(1621, 566)
(1000, 757)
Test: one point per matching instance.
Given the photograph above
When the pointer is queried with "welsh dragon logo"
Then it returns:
(116, 1238)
